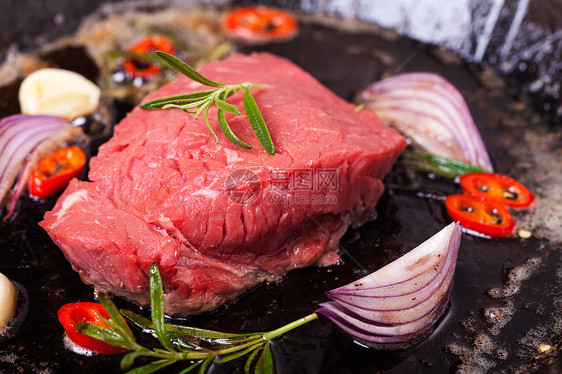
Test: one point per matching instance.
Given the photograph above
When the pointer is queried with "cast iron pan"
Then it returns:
(464, 339)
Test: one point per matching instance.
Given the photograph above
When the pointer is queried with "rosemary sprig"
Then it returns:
(441, 166)
(199, 348)
(200, 101)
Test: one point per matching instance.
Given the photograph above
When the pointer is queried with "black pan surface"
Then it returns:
(407, 214)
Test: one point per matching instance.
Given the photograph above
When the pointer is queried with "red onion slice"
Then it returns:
(389, 341)
(367, 326)
(395, 311)
(400, 303)
(432, 112)
(426, 256)
(24, 139)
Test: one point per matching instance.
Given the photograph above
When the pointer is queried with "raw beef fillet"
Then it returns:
(219, 219)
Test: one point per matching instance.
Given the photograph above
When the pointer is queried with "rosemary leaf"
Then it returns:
(152, 367)
(128, 360)
(208, 124)
(157, 307)
(140, 321)
(191, 367)
(201, 109)
(250, 360)
(205, 364)
(265, 361)
(101, 333)
(358, 108)
(459, 166)
(241, 353)
(257, 340)
(257, 122)
(229, 108)
(112, 326)
(187, 70)
(146, 325)
(131, 55)
(186, 331)
(196, 104)
(227, 131)
(209, 334)
(178, 100)
(114, 315)
(438, 165)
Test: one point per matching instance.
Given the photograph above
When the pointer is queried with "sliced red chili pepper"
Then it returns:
(497, 187)
(480, 215)
(147, 46)
(260, 23)
(85, 312)
(55, 171)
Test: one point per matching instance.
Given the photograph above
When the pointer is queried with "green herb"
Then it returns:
(256, 119)
(358, 108)
(441, 166)
(133, 55)
(200, 101)
(199, 348)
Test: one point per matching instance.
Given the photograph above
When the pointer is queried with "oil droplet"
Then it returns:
(73, 347)
(544, 348)
(492, 315)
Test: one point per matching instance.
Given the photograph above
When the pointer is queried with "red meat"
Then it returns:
(162, 190)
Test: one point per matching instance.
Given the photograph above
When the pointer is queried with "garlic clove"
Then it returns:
(58, 92)
(8, 300)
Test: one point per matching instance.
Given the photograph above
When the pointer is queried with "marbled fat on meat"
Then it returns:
(159, 190)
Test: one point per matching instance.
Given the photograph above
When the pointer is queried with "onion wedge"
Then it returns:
(432, 112)
(24, 139)
(399, 304)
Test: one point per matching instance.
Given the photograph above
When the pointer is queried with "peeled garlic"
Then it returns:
(8, 300)
(58, 92)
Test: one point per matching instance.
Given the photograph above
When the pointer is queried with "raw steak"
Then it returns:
(217, 218)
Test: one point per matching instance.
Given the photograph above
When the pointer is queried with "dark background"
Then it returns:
(31, 258)
(533, 64)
